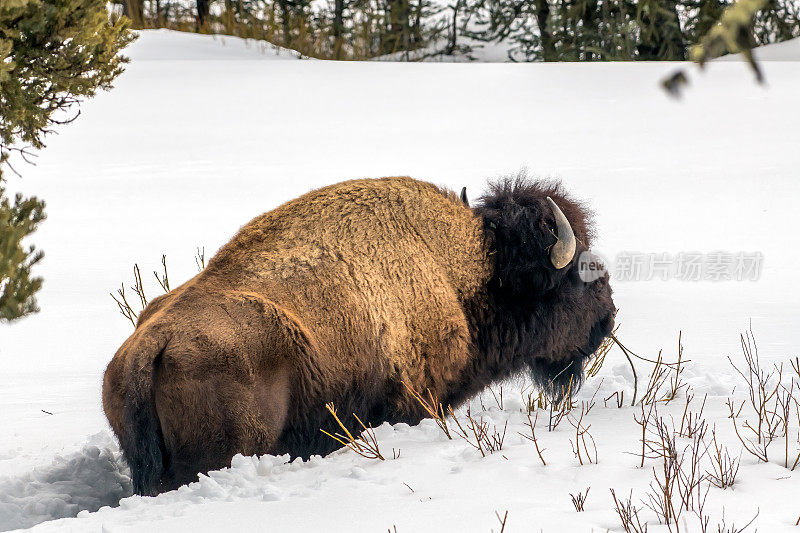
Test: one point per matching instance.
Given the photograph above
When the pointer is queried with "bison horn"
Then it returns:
(464, 199)
(564, 249)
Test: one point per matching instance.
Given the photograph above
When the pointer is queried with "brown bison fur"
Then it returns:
(340, 296)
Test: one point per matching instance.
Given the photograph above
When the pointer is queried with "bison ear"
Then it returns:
(464, 199)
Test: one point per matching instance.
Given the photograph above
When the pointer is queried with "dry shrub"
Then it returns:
(584, 446)
(664, 381)
(628, 514)
(502, 521)
(724, 467)
(476, 433)
(365, 444)
(131, 311)
(771, 404)
(532, 425)
(579, 500)
(432, 406)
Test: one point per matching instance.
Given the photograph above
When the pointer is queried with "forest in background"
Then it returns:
(53, 53)
(530, 30)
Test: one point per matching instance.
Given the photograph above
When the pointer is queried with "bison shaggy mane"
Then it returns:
(342, 295)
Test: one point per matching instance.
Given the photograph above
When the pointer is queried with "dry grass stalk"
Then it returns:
(644, 421)
(592, 366)
(583, 449)
(723, 466)
(633, 369)
(560, 403)
(163, 279)
(628, 514)
(200, 258)
(365, 444)
(502, 521)
(724, 528)
(124, 307)
(432, 406)
(535, 400)
(619, 399)
(476, 433)
(658, 377)
(770, 402)
(678, 482)
(692, 422)
(532, 424)
(691, 476)
(758, 450)
(138, 287)
(579, 500)
(661, 499)
(121, 299)
(675, 382)
(498, 398)
(664, 382)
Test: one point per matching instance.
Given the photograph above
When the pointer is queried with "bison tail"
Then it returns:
(142, 441)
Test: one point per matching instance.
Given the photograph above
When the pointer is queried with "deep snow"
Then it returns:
(190, 145)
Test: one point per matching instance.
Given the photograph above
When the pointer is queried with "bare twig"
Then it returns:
(723, 467)
(200, 258)
(163, 279)
(502, 520)
(628, 514)
(532, 424)
(581, 448)
(432, 406)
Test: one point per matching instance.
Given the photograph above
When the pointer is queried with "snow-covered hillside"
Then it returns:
(201, 134)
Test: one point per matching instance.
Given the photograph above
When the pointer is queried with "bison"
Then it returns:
(342, 295)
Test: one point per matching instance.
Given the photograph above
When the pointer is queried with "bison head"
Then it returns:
(552, 318)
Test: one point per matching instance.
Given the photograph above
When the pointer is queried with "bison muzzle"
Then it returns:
(341, 296)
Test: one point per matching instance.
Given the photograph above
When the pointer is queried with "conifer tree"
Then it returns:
(52, 54)
(17, 286)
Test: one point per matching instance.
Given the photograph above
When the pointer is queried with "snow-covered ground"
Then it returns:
(191, 144)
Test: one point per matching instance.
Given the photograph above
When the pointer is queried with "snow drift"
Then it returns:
(86, 480)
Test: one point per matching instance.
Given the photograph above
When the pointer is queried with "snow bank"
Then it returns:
(86, 480)
(169, 45)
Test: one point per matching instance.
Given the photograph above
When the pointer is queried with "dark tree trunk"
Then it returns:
(134, 10)
(590, 30)
(285, 18)
(543, 19)
(398, 22)
(338, 28)
(451, 48)
(202, 13)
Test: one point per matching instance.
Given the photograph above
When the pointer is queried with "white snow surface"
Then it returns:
(167, 45)
(201, 134)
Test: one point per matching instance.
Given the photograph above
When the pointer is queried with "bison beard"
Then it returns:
(341, 296)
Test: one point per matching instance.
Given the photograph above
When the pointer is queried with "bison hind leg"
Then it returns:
(205, 422)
